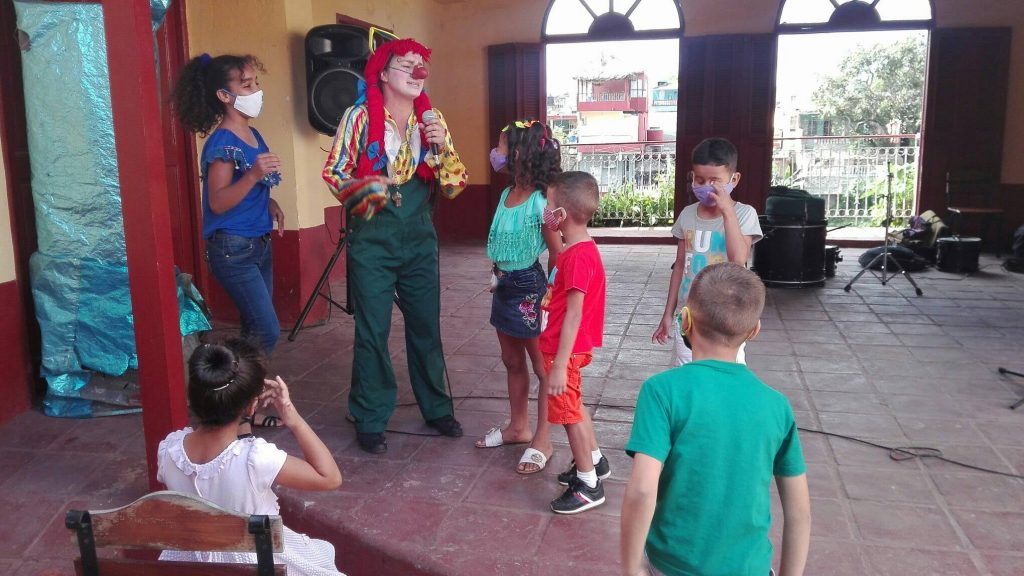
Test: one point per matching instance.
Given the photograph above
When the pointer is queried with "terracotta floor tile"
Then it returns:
(837, 382)
(903, 524)
(980, 491)
(470, 529)
(1004, 565)
(878, 363)
(907, 486)
(871, 426)
(437, 483)
(834, 557)
(917, 562)
(829, 519)
(851, 402)
(34, 516)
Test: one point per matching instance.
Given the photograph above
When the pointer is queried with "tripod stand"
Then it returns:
(346, 308)
(1020, 402)
(884, 256)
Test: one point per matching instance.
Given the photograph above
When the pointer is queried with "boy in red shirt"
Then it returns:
(575, 324)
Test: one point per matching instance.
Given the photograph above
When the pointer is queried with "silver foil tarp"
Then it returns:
(79, 274)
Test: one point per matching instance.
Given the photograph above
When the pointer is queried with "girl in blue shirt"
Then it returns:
(216, 97)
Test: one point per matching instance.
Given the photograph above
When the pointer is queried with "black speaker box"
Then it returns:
(336, 55)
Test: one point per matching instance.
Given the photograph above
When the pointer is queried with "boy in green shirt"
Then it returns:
(707, 439)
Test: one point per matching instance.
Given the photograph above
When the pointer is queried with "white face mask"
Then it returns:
(249, 104)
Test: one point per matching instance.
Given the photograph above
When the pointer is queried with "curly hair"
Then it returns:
(194, 98)
(534, 156)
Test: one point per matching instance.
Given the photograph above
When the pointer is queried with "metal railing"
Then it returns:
(603, 97)
(850, 173)
(637, 187)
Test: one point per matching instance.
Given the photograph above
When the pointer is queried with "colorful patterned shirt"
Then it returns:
(403, 156)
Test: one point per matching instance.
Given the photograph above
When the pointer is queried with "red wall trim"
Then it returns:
(300, 257)
(17, 383)
(467, 217)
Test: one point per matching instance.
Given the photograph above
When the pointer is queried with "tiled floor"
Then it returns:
(877, 363)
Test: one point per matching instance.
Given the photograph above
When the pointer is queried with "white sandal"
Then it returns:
(532, 456)
(492, 439)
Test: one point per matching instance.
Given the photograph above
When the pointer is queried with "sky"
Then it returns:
(803, 61)
(564, 61)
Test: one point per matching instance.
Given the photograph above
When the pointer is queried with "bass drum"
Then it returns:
(791, 255)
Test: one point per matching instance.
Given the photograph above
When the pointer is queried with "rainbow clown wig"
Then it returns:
(374, 159)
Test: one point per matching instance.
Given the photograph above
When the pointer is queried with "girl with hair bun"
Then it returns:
(226, 383)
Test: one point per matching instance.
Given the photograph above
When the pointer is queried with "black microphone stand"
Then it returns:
(884, 256)
(347, 307)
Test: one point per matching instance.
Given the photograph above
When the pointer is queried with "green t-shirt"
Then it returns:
(516, 238)
(721, 435)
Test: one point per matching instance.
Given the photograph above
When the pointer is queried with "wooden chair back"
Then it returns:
(175, 521)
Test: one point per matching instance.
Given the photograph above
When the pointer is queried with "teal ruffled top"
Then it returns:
(516, 240)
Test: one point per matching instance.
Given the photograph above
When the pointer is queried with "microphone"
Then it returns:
(429, 115)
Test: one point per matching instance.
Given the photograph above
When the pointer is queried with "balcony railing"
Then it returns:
(850, 173)
(637, 187)
(603, 97)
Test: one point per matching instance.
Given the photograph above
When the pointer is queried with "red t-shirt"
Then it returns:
(577, 268)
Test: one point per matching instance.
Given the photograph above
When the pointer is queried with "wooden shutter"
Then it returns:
(22, 353)
(965, 107)
(516, 90)
(180, 160)
(727, 89)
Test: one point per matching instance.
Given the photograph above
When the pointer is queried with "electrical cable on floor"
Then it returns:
(901, 453)
(897, 453)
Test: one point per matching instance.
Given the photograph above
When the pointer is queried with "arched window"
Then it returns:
(852, 15)
(576, 20)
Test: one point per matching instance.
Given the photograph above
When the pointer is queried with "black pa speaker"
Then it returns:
(336, 55)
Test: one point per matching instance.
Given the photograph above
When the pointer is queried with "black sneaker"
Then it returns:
(578, 497)
(603, 469)
(372, 442)
(447, 426)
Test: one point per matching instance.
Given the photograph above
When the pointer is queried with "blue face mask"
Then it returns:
(498, 160)
(703, 193)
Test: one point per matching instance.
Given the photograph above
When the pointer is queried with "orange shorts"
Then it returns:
(568, 407)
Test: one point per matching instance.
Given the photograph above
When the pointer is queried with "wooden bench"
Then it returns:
(175, 521)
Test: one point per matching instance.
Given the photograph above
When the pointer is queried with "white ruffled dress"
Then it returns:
(240, 478)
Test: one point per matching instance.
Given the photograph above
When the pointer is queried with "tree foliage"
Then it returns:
(874, 86)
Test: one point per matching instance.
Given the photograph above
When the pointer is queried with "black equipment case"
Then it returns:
(788, 205)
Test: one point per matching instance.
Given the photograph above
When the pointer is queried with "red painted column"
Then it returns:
(140, 159)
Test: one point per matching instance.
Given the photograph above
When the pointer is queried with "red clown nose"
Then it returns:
(420, 73)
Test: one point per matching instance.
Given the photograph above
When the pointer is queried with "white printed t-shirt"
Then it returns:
(705, 240)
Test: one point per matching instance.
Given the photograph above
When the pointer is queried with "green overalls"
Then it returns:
(396, 252)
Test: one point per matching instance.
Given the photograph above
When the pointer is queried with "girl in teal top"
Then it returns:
(531, 157)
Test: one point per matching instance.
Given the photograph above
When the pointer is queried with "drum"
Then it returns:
(832, 257)
(791, 255)
(958, 254)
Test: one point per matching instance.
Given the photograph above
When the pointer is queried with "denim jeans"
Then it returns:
(244, 267)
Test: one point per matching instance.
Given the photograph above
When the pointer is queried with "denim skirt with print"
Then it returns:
(515, 305)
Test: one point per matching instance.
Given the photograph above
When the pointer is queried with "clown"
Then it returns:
(382, 169)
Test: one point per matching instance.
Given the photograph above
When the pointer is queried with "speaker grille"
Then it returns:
(331, 93)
